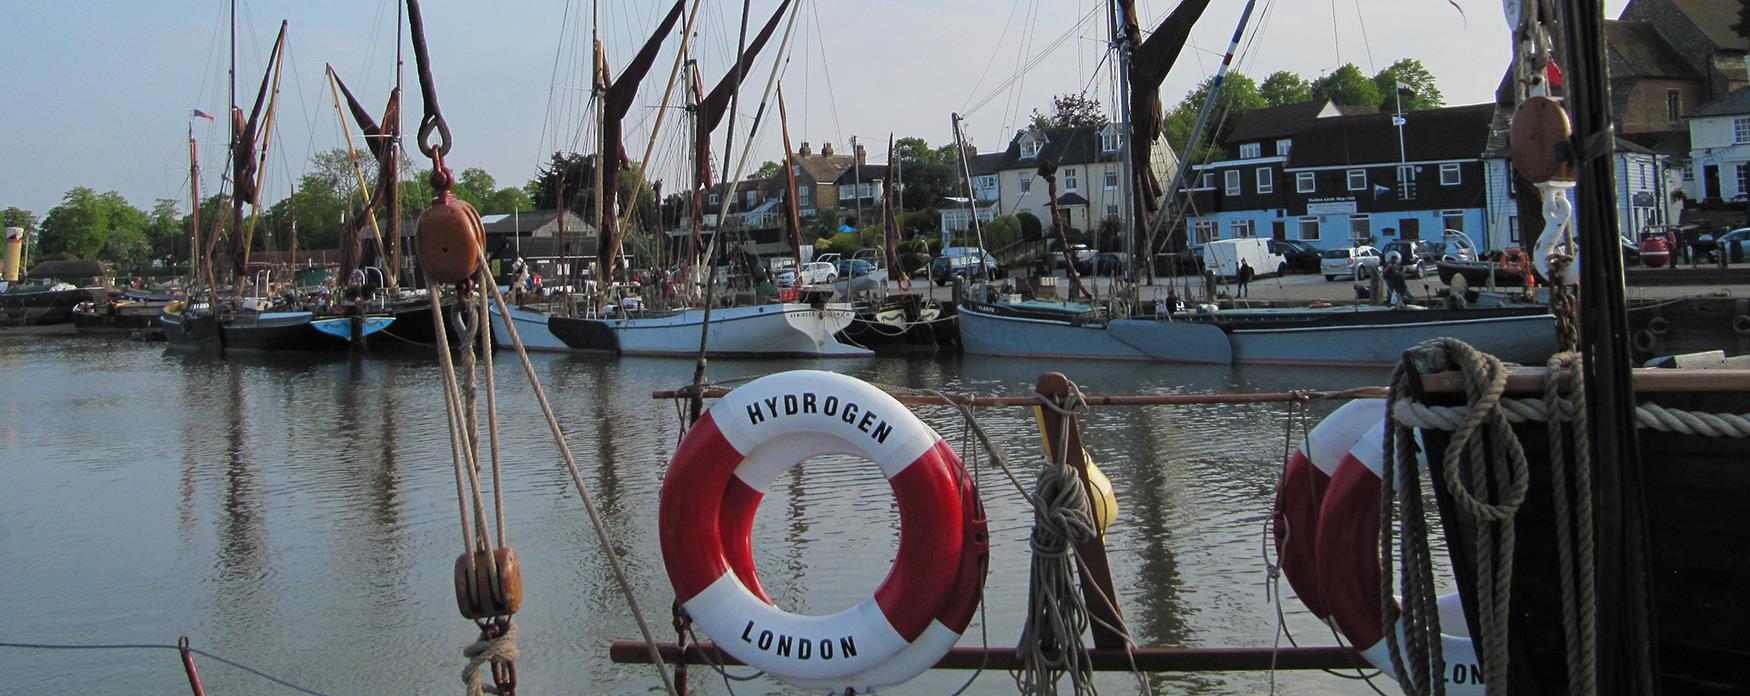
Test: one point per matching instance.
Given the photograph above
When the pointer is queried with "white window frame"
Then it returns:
(1307, 221)
(1266, 180)
(1366, 229)
(1203, 231)
(752, 198)
(1109, 139)
(1740, 130)
(1305, 182)
(1251, 150)
(715, 199)
(1111, 180)
(1242, 229)
(1026, 184)
(1282, 146)
(1030, 147)
(1111, 211)
(1070, 180)
(1357, 174)
(1689, 172)
(1457, 175)
(1743, 178)
(1458, 215)
(802, 190)
(1231, 182)
(1206, 180)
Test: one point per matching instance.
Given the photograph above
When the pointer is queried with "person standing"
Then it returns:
(1245, 276)
(1397, 288)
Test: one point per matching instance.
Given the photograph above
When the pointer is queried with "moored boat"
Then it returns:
(790, 329)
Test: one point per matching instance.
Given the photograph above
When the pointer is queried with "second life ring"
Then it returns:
(1305, 477)
(1347, 557)
(1515, 260)
(713, 489)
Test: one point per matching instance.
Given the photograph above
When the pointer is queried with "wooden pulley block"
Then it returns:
(1541, 137)
(450, 239)
(482, 595)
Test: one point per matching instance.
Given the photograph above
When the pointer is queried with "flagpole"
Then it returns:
(1398, 119)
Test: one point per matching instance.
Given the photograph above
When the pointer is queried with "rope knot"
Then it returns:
(497, 651)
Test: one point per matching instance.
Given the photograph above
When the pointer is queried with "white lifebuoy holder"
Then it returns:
(712, 491)
(1305, 477)
(1347, 556)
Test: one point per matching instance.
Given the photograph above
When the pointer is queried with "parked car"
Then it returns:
(964, 263)
(1733, 244)
(1302, 257)
(813, 273)
(1104, 263)
(1419, 257)
(855, 268)
(1186, 261)
(1336, 263)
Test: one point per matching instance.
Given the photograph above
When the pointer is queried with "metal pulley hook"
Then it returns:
(434, 117)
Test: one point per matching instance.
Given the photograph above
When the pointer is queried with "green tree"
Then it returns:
(929, 174)
(1031, 227)
(768, 171)
(1003, 231)
(1284, 87)
(1069, 110)
(1424, 94)
(475, 186)
(574, 175)
(87, 225)
(15, 216)
(166, 233)
(1239, 94)
(1347, 86)
(509, 199)
(1742, 26)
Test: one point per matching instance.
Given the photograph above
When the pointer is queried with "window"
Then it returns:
(751, 197)
(1673, 105)
(1112, 210)
(1303, 183)
(1109, 139)
(1026, 184)
(1452, 220)
(1513, 230)
(1241, 228)
(805, 202)
(1407, 182)
(1360, 228)
(1266, 180)
(1070, 180)
(1030, 147)
(1309, 229)
(1282, 147)
(1740, 130)
(1111, 180)
(865, 190)
(1449, 175)
(1740, 169)
(1206, 181)
(714, 199)
(1231, 178)
(1688, 172)
(847, 193)
(1250, 150)
(802, 190)
(1357, 180)
(1202, 231)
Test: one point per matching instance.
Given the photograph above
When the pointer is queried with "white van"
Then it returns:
(1223, 257)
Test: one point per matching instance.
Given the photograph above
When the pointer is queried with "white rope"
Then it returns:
(485, 652)
(1648, 415)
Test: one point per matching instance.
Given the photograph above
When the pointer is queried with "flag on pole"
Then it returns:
(1381, 190)
(1397, 121)
(1405, 89)
(197, 113)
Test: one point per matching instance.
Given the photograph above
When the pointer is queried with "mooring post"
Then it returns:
(1095, 571)
(194, 675)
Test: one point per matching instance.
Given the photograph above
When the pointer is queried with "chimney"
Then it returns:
(826, 149)
(805, 151)
(860, 154)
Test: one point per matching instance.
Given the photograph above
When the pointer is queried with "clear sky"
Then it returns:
(97, 94)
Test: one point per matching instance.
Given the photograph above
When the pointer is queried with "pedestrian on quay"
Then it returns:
(1245, 276)
(1397, 287)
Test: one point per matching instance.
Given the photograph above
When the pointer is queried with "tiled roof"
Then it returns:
(1738, 102)
(1275, 121)
(1457, 132)
(1646, 53)
(1715, 19)
(865, 174)
(1074, 145)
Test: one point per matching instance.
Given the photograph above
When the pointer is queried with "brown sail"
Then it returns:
(616, 102)
(243, 162)
(1150, 61)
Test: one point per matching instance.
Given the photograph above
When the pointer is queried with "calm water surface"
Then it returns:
(300, 516)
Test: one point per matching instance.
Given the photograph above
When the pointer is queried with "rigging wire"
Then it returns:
(1365, 43)
(1020, 73)
(838, 130)
(992, 60)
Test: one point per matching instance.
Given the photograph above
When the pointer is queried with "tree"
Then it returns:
(1031, 228)
(1347, 86)
(1283, 87)
(165, 231)
(929, 174)
(1070, 110)
(87, 225)
(768, 171)
(1003, 231)
(1424, 94)
(15, 216)
(1239, 94)
(574, 173)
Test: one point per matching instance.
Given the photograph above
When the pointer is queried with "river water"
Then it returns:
(299, 515)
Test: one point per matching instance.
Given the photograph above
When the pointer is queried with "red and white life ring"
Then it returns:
(1346, 556)
(1304, 480)
(714, 486)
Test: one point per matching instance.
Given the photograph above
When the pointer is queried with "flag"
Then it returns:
(197, 113)
(1554, 72)
(1379, 190)
(1405, 89)
(1398, 121)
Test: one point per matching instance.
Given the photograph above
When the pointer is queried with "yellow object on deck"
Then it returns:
(1103, 501)
(10, 269)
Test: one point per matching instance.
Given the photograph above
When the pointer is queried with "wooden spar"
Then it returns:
(1150, 61)
(889, 222)
(1145, 659)
(966, 178)
(380, 140)
(661, 111)
(194, 192)
(393, 165)
(616, 102)
(245, 181)
(792, 211)
(1059, 225)
(279, 61)
(1627, 658)
(349, 250)
(1064, 434)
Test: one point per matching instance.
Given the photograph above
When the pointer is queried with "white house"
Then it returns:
(1719, 141)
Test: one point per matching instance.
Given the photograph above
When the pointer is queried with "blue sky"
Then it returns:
(98, 93)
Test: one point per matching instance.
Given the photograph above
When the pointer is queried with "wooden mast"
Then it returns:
(793, 207)
(194, 192)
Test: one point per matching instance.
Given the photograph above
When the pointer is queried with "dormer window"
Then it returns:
(1109, 139)
(1030, 146)
(1282, 147)
(1250, 150)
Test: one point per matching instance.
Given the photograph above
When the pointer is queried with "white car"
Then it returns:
(1337, 263)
